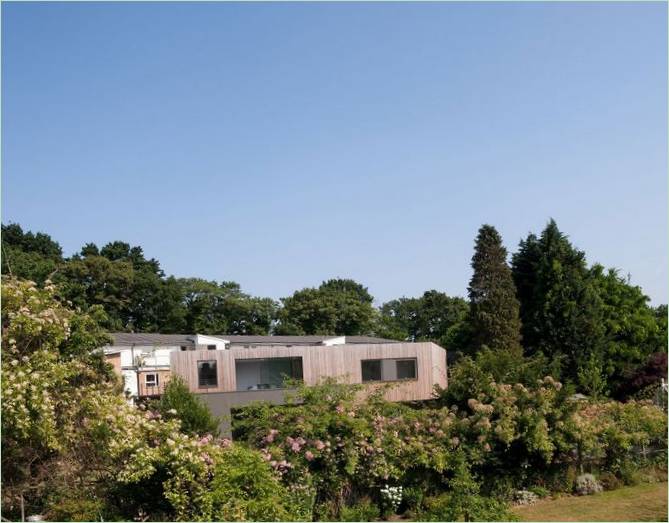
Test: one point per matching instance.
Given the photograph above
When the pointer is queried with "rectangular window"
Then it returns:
(207, 376)
(151, 380)
(406, 369)
(268, 373)
(211, 347)
(389, 369)
(371, 370)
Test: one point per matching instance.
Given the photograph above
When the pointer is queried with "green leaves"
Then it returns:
(494, 309)
(177, 401)
(337, 307)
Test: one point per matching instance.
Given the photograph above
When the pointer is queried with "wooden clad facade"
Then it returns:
(147, 389)
(318, 362)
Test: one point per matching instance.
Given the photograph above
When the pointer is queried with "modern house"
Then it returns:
(143, 360)
(229, 371)
(239, 376)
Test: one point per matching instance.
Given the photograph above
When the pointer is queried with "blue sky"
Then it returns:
(279, 145)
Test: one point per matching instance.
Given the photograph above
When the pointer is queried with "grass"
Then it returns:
(646, 502)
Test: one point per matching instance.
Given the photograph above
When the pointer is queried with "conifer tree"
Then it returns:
(494, 316)
(560, 307)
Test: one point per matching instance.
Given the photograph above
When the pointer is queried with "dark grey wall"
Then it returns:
(220, 403)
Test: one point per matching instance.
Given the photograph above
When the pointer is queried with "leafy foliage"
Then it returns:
(178, 401)
(593, 322)
(340, 307)
(66, 429)
(339, 440)
(434, 317)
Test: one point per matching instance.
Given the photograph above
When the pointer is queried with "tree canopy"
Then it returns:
(591, 326)
(338, 307)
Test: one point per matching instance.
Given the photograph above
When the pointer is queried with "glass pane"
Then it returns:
(268, 373)
(296, 371)
(371, 370)
(206, 373)
(272, 372)
(406, 369)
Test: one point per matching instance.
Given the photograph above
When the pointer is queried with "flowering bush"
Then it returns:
(339, 443)
(67, 428)
(524, 497)
(587, 484)
(65, 423)
(391, 498)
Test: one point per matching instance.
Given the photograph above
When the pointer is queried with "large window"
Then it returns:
(371, 370)
(268, 373)
(389, 369)
(206, 374)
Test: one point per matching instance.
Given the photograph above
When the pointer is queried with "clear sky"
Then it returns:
(279, 145)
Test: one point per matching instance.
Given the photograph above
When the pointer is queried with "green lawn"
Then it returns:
(647, 502)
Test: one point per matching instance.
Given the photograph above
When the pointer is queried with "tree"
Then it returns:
(648, 374)
(177, 400)
(633, 330)
(222, 308)
(494, 309)
(337, 307)
(95, 280)
(26, 255)
(559, 303)
(434, 316)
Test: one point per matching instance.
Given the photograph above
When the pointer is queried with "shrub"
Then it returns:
(177, 400)
(610, 481)
(364, 510)
(540, 492)
(629, 474)
(480, 508)
(413, 498)
(561, 479)
(244, 487)
(499, 487)
(70, 506)
(587, 484)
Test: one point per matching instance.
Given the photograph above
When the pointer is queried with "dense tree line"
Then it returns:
(585, 324)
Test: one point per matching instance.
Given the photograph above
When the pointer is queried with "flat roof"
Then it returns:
(156, 339)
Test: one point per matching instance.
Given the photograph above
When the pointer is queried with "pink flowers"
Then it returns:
(203, 441)
(270, 437)
(295, 444)
(309, 455)
(319, 444)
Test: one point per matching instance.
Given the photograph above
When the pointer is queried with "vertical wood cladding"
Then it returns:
(318, 362)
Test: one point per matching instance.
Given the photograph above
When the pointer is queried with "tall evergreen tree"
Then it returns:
(560, 307)
(494, 319)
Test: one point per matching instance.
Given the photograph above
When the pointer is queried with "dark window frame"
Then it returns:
(156, 381)
(293, 360)
(414, 359)
(199, 378)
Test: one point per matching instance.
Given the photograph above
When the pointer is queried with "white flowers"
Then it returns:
(392, 497)
(525, 497)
